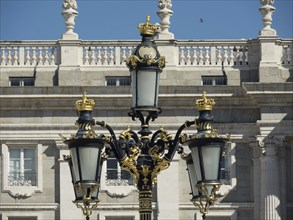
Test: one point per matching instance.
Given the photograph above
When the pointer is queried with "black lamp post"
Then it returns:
(142, 154)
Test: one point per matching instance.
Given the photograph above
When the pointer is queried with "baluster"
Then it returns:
(219, 56)
(231, 56)
(188, 57)
(123, 55)
(182, 57)
(236, 55)
(207, 56)
(34, 57)
(225, 56)
(86, 56)
(27, 56)
(3, 57)
(129, 51)
(194, 56)
(53, 56)
(241, 55)
(105, 57)
(92, 58)
(99, 56)
(15, 57)
(40, 57)
(9, 57)
(200, 56)
(111, 57)
(46, 56)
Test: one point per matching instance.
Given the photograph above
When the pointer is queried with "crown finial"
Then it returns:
(85, 104)
(147, 29)
(204, 103)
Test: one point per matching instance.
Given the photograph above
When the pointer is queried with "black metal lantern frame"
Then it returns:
(144, 153)
(203, 163)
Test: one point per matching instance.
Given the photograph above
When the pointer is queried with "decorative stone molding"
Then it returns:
(69, 15)
(267, 11)
(270, 145)
(164, 13)
(119, 192)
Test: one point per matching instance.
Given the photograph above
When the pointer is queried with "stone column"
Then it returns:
(165, 13)
(270, 190)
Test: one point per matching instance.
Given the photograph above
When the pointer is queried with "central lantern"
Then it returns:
(145, 65)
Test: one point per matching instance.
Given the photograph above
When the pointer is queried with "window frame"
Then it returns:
(115, 190)
(21, 81)
(8, 214)
(21, 191)
(117, 80)
(214, 80)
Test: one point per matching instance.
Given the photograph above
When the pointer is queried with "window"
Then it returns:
(22, 167)
(21, 81)
(118, 81)
(115, 176)
(214, 80)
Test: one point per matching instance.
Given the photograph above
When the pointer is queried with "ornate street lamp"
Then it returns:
(142, 154)
(203, 163)
(85, 160)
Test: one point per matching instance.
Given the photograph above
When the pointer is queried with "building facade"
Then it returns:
(250, 80)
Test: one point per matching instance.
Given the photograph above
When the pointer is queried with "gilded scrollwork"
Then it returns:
(161, 164)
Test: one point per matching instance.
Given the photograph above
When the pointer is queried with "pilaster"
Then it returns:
(268, 178)
(68, 209)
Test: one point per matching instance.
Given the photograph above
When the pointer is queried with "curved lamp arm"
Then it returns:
(175, 142)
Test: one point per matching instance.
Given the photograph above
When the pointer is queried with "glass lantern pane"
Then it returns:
(89, 159)
(75, 164)
(146, 88)
(192, 178)
(196, 163)
(211, 159)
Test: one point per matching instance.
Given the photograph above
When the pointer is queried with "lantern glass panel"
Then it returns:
(196, 163)
(192, 178)
(75, 166)
(211, 160)
(145, 88)
(89, 161)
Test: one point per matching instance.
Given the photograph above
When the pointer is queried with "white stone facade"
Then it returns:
(255, 107)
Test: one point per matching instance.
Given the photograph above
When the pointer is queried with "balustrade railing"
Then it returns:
(107, 53)
(212, 53)
(28, 53)
(114, 53)
(118, 178)
(287, 52)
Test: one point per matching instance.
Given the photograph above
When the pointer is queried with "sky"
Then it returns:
(118, 19)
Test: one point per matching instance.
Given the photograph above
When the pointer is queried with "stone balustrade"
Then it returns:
(213, 53)
(286, 57)
(113, 53)
(28, 53)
